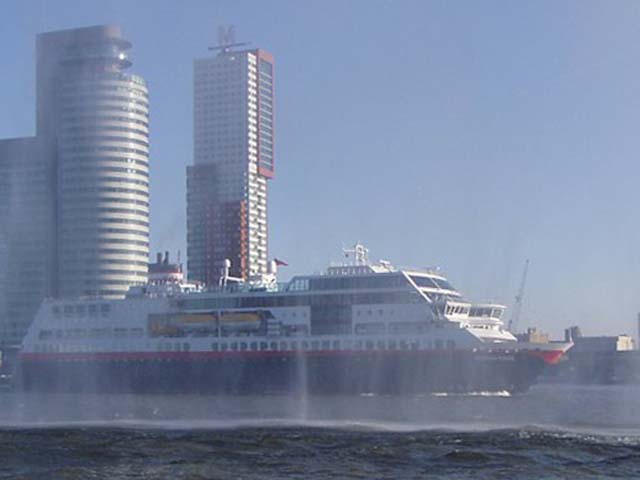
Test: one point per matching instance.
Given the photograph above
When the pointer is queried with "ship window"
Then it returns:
(177, 347)
(214, 347)
(305, 345)
(370, 328)
(104, 308)
(443, 284)
(451, 344)
(234, 346)
(186, 347)
(68, 310)
(439, 344)
(358, 344)
(45, 334)
(283, 346)
(380, 344)
(264, 346)
(326, 344)
(137, 332)
(56, 310)
(254, 346)
(243, 346)
(119, 332)
(336, 344)
(369, 345)
(294, 345)
(223, 347)
(93, 309)
(392, 345)
(424, 282)
(80, 310)
(315, 345)
(274, 346)
(410, 327)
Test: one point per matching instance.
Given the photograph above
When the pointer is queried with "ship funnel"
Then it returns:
(159, 258)
(166, 258)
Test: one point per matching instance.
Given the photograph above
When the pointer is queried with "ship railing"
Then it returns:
(250, 288)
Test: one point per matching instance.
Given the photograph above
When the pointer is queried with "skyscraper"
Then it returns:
(27, 234)
(97, 116)
(233, 160)
(74, 199)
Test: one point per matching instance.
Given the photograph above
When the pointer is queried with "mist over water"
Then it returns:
(593, 409)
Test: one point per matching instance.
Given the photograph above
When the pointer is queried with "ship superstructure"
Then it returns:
(359, 327)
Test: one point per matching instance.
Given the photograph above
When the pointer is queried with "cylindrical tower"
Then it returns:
(103, 171)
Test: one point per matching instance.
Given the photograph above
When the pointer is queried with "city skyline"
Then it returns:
(426, 135)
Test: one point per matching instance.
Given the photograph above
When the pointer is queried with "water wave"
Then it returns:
(313, 451)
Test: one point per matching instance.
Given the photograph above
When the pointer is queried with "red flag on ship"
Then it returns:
(280, 263)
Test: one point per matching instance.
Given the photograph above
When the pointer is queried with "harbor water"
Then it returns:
(549, 432)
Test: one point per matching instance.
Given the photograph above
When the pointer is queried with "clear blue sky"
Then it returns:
(470, 135)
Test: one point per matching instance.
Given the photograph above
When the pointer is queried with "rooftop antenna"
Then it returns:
(227, 39)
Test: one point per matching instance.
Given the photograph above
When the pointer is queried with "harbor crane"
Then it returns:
(517, 306)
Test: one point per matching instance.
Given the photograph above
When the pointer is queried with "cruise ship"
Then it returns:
(360, 327)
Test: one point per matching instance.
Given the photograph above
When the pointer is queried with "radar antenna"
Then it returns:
(517, 306)
(359, 254)
(227, 39)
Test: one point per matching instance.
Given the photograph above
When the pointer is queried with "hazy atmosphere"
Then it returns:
(312, 239)
(470, 136)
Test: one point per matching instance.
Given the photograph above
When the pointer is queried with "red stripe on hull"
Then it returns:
(550, 357)
(248, 354)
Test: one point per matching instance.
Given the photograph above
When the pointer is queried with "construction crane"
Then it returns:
(517, 306)
(227, 39)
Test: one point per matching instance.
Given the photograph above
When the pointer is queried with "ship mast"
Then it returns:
(359, 254)
(517, 306)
